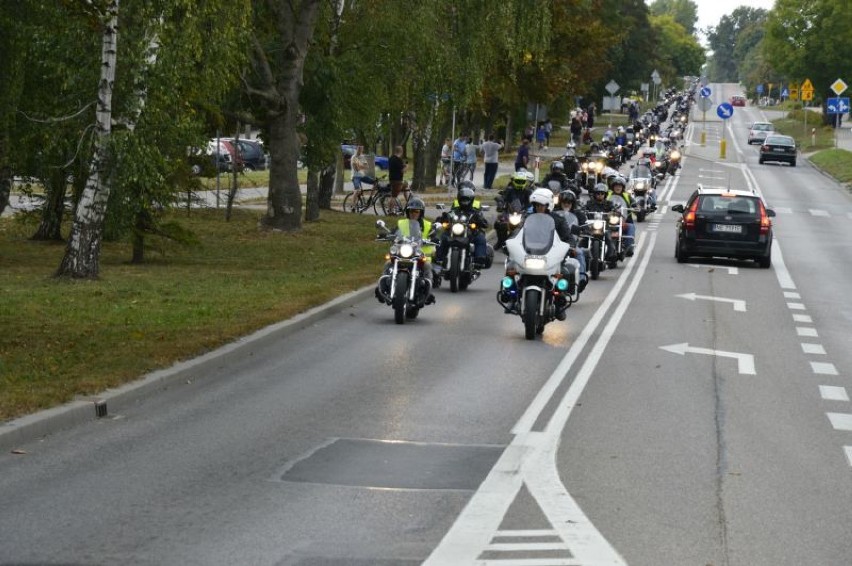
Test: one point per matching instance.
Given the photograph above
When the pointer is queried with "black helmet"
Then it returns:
(557, 166)
(567, 196)
(465, 196)
(619, 180)
(600, 189)
(415, 204)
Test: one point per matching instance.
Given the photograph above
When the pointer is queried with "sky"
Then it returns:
(711, 11)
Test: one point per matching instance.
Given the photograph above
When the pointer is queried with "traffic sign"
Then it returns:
(759, 89)
(785, 93)
(838, 87)
(794, 93)
(655, 77)
(705, 92)
(705, 104)
(837, 105)
(725, 111)
(612, 87)
(807, 86)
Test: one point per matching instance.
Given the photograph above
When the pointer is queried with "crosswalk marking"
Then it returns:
(813, 349)
(841, 421)
(817, 212)
(833, 393)
(823, 368)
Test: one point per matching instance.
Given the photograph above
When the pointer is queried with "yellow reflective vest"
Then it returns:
(404, 227)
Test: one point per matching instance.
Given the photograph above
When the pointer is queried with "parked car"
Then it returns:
(226, 154)
(758, 132)
(738, 100)
(251, 153)
(725, 223)
(778, 148)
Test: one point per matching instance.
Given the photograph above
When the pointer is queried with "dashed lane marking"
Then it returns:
(833, 393)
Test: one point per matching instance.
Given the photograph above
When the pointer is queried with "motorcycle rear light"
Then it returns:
(508, 282)
(562, 284)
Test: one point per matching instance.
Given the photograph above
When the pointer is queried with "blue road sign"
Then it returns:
(724, 111)
(759, 89)
(837, 105)
(785, 93)
(705, 92)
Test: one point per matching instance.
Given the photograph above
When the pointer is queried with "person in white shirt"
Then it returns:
(491, 152)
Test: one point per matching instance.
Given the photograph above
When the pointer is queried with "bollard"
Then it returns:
(722, 148)
(703, 139)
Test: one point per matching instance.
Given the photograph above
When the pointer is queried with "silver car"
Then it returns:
(758, 132)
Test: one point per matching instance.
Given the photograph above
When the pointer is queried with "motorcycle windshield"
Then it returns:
(642, 173)
(538, 234)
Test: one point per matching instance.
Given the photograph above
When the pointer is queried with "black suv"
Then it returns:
(726, 223)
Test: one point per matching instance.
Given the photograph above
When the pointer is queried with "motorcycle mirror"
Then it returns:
(380, 224)
(486, 207)
(440, 206)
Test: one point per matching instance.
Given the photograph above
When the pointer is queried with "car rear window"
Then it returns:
(776, 140)
(763, 127)
(722, 204)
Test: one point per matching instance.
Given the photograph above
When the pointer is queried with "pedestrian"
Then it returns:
(590, 121)
(446, 158)
(470, 150)
(396, 170)
(459, 158)
(523, 157)
(548, 130)
(540, 136)
(576, 128)
(491, 158)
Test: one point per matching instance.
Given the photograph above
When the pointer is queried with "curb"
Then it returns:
(36, 426)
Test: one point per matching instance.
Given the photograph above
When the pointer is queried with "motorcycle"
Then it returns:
(533, 286)
(593, 243)
(458, 267)
(403, 285)
(616, 223)
(642, 185)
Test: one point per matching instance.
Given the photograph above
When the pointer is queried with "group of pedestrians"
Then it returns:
(459, 159)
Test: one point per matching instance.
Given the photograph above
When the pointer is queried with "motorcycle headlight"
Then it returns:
(515, 219)
(534, 262)
(585, 166)
(458, 229)
(406, 250)
(640, 185)
(614, 219)
(658, 164)
(599, 166)
(675, 154)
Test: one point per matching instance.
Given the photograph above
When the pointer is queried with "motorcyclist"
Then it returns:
(541, 200)
(620, 198)
(467, 204)
(567, 209)
(645, 169)
(514, 198)
(557, 173)
(599, 203)
(414, 213)
(621, 140)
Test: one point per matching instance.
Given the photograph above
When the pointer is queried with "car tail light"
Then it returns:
(689, 219)
(764, 148)
(765, 221)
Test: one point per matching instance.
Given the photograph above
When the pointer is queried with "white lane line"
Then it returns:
(796, 306)
(813, 349)
(806, 331)
(780, 268)
(802, 318)
(833, 393)
(791, 295)
(848, 450)
(526, 546)
(530, 562)
(783, 210)
(817, 212)
(823, 368)
(840, 421)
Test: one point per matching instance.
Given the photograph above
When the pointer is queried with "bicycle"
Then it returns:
(395, 205)
(363, 199)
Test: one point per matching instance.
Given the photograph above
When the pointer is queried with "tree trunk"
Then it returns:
(284, 203)
(326, 187)
(50, 227)
(510, 138)
(312, 197)
(5, 185)
(82, 255)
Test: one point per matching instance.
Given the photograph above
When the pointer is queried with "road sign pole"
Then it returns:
(723, 145)
(704, 129)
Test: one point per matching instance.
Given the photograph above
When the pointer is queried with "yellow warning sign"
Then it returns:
(794, 93)
(807, 86)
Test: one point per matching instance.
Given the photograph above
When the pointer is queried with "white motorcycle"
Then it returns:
(533, 286)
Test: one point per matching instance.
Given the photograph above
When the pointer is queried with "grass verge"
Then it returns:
(66, 339)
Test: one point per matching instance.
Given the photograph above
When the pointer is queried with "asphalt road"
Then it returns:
(682, 414)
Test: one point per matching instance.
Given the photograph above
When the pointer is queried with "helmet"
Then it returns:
(557, 166)
(542, 196)
(600, 189)
(415, 204)
(519, 180)
(566, 197)
(465, 196)
(619, 180)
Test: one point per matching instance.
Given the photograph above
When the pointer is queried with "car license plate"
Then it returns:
(729, 228)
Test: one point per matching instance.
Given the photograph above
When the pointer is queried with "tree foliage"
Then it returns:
(684, 12)
(731, 40)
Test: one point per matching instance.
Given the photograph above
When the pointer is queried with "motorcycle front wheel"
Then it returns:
(399, 297)
(532, 305)
(594, 259)
(455, 269)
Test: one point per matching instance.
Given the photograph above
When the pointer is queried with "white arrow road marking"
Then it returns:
(739, 305)
(731, 270)
(745, 362)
